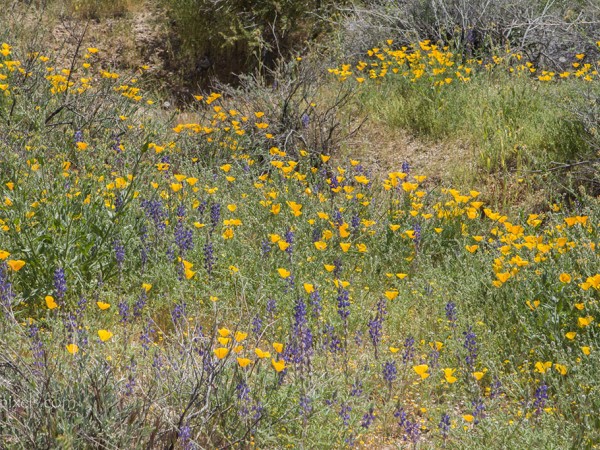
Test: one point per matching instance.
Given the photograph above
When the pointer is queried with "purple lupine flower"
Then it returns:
(417, 234)
(184, 238)
(358, 338)
(119, 253)
(375, 331)
(170, 253)
(305, 406)
(178, 312)
(78, 137)
(316, 234)
(215, 216)
(478, 410)
(70, 323)
(185, 434)
(334, 183)
(433, 358)
(451, 313)
(343, 303)
(355, 222)
(344, 413)
(376, 325)
(409, 350)
(130, 385)
(300, 320)
(357, 389)
(540, 396)
(117, 144)
(444, 426)
(60, 283)
(289, 238)
(300, 348)
(271, 307)
(400, 414)
(155, 211)
(470, 344)
(305, 120)
(331, 341)
(256, 325)
(124, 311)
(495, 388)
(81, 306)
(412, 431)
(157, 362)
(257, 411)
(338, 219)
(368, 418)
(406, 167)
(265, 247)
(335, 344)
(146, 335)
(315, 303)
(209, 257)
(323, 175)
(290, 283)
(202, 208)
(198, 340)
(242, 392)
(138, 306)
(337, 264)
(350, 441)
(390, 372)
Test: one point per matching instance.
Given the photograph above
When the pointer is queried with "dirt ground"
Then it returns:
(386, 148)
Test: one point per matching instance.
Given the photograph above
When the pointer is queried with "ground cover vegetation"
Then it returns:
(229, 274)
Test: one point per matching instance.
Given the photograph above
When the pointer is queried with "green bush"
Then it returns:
(164, 272)
(224, 38)
(514, 123)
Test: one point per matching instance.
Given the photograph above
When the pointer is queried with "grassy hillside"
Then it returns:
(276, 265)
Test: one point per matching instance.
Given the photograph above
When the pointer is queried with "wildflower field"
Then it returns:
(212, 280)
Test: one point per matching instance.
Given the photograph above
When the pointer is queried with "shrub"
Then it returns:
(224, 38)
(195, 286)
(545, 32)
(517, 117)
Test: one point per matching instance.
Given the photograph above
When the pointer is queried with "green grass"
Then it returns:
(513, 124)
(157, 382)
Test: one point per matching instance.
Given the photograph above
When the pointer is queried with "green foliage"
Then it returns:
(36, 116)
(514, 124)
(245, 233)
(224, 38)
